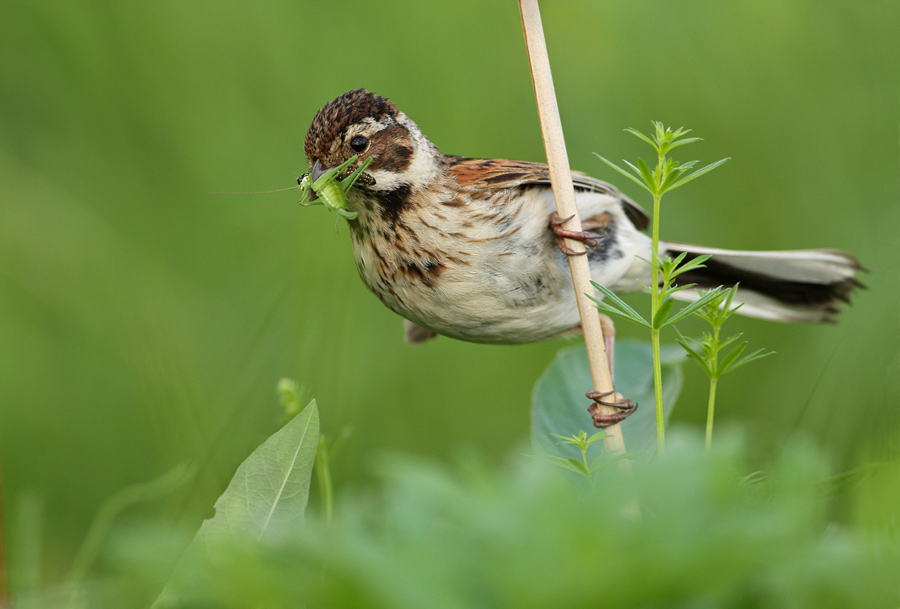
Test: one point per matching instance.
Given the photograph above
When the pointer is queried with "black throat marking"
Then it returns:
(392, 203)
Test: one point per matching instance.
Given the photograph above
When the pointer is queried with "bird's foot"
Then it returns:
(556, 222)
(624, 407)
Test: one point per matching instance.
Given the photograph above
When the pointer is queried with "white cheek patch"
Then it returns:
(388, 180)
(423, 166)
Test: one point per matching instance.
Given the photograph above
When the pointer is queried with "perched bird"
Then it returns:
(472, 249)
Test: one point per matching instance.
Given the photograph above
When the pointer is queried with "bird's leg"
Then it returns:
(556, 222)
(623, 405)
(609, 342)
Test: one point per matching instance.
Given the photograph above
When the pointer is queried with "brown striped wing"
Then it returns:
(501, 173)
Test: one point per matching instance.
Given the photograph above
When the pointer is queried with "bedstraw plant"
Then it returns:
(706, 350)
(668, 175)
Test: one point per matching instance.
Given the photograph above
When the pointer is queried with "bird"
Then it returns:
(472, 248)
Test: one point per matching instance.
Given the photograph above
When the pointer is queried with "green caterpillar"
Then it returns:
(328, 191)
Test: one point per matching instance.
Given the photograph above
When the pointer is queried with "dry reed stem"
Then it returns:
(564, 193)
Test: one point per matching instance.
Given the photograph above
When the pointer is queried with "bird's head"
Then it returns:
(369, 126)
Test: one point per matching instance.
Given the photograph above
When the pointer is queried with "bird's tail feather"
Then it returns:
(790, 285)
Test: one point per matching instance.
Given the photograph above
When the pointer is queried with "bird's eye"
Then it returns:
(359, 143)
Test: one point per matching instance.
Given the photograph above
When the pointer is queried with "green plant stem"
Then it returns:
(713, 379)
(654, 307)
(657, 393)
(587, 468)
(710, 412)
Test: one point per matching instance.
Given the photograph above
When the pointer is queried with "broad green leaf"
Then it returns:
(266, 498)
(560, 407)
(270, 489)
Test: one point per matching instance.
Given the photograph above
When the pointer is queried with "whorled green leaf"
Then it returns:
(665, 307)
(617, 306)
(694, 263)
(640, 135)
(646, 173)
(692, 353)
(697, 174)
(729, 365)
(687, 140)
(684, 312)
(625, 173)
(266, 498)
(671, 176)
(559, 406)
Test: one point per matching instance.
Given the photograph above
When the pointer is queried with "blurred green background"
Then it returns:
(145, 320)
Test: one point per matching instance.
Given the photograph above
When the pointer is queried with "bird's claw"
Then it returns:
(589, 239)
(624, 407)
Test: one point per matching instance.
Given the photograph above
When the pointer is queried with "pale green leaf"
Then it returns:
(265, 499)
(559, 405)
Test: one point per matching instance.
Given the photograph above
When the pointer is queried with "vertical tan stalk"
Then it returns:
(564, 193)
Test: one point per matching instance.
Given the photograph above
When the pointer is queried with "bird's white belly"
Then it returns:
(517, 289)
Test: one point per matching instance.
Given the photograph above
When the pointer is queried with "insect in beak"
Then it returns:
(324, 183)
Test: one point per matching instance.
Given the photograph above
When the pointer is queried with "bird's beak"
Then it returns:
(317, 170)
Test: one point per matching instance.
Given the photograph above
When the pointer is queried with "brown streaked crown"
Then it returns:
(332, 121)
